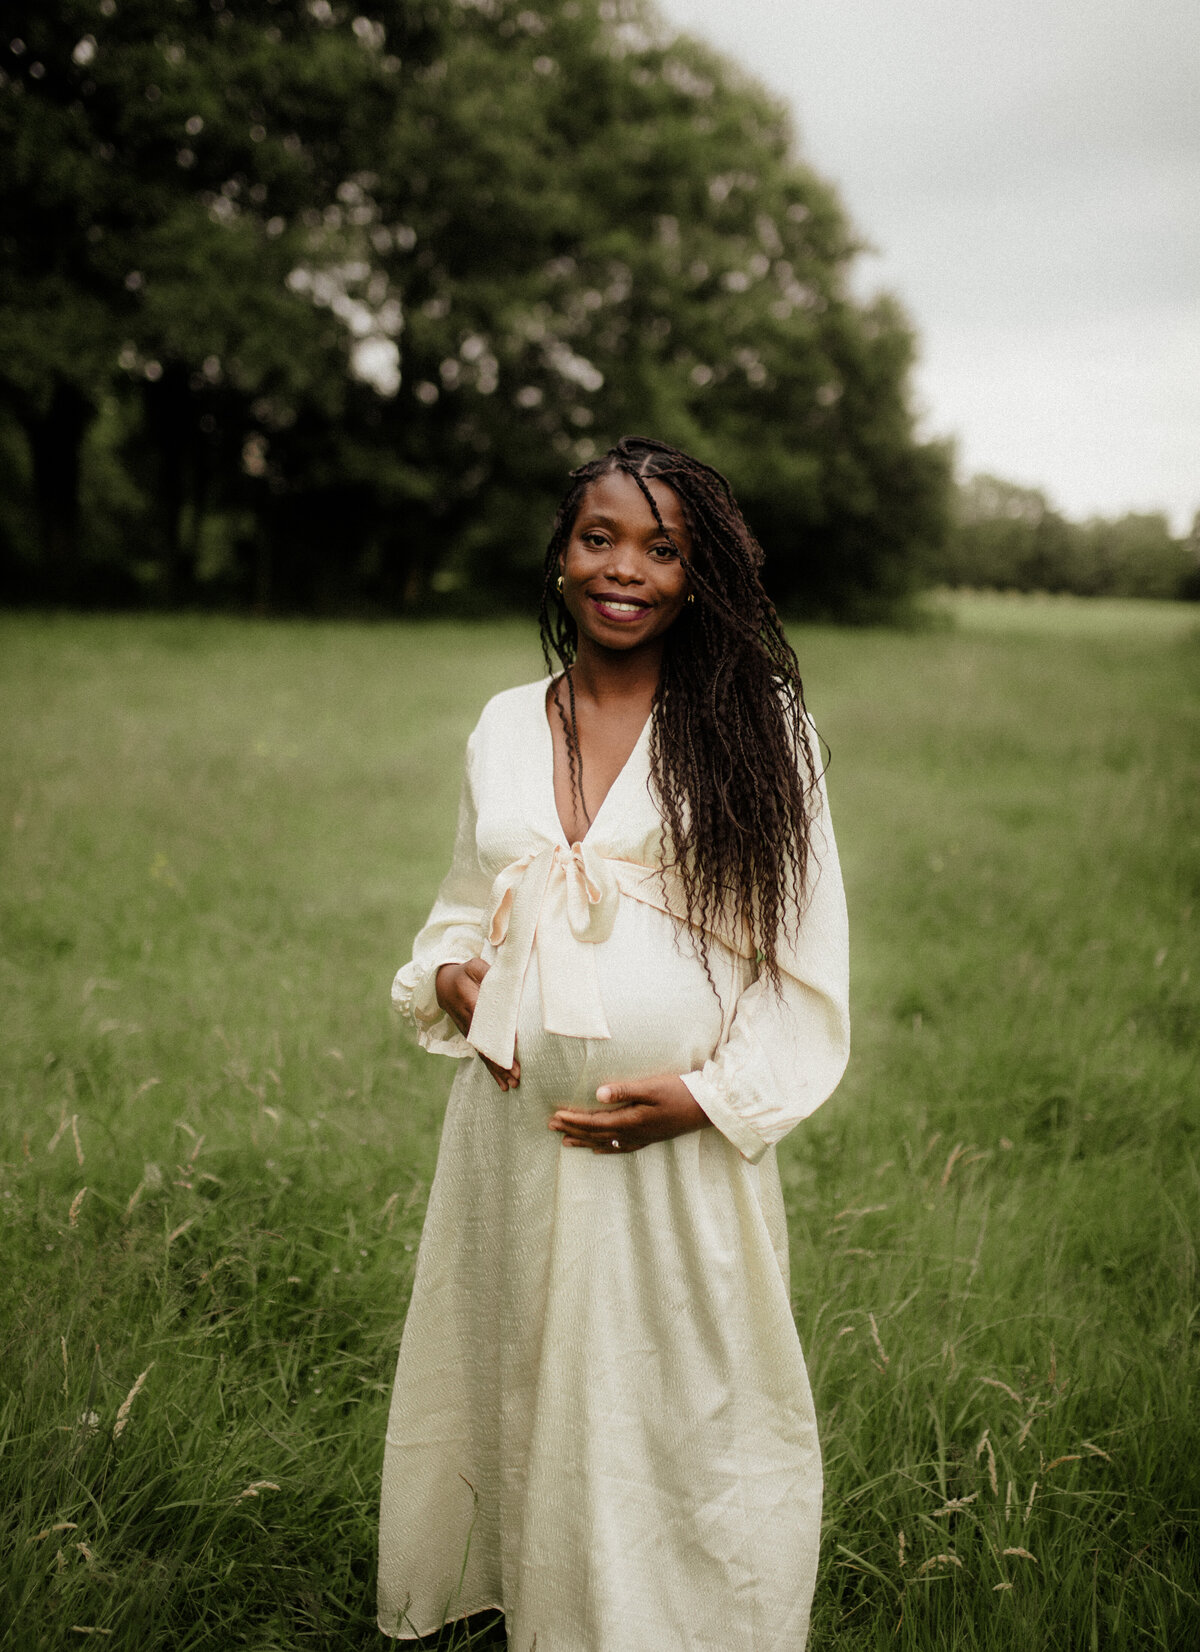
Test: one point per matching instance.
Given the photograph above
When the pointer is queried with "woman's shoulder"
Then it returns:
(514, 702)
(512, 709)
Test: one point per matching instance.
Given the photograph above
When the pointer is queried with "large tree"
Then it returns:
(611, 232)
(165, 162)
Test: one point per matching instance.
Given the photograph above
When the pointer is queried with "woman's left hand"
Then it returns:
(632, 1115)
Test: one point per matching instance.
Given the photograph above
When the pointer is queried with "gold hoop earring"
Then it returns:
(558, 585)
(691, 600)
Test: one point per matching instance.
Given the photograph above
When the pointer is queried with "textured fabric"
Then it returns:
(601, 1422)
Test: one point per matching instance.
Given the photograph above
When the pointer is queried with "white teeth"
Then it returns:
(622, 607)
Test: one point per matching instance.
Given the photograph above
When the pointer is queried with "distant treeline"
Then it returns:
(1011, 538)
(313, 305)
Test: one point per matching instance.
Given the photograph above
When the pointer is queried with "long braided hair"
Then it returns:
(730, 756)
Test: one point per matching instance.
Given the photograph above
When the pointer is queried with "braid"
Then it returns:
(730, 756)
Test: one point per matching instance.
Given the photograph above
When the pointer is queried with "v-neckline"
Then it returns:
(548, 727)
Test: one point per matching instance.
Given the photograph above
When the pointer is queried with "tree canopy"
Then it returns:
(311, 305)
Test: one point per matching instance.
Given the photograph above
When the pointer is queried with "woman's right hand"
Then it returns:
(457, 988)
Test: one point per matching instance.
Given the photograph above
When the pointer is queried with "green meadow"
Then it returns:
(216, 1143)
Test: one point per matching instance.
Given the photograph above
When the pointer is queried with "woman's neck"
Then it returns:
(604, 675)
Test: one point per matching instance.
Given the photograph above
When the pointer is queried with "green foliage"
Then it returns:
(367, 282)
(1007, 537)
(167, 169)
(218, 840)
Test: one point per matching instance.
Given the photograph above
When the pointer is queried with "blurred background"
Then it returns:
(308, 308)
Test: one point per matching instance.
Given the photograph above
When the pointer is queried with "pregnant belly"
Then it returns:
(662, 1012)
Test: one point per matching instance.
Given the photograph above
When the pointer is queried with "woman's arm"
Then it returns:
(786, 1052)
(452, 934)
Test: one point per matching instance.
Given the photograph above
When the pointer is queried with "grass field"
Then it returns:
(216, 1145)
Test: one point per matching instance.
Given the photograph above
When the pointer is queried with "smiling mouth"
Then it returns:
(624, 608)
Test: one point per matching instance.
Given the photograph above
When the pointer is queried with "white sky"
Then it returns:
(1029, 171)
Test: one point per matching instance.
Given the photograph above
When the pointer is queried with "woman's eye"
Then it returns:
(595, 540)
(665, 551)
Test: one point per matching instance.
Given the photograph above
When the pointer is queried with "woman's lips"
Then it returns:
(621, 610)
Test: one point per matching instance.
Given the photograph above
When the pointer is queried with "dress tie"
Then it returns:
(563, 901)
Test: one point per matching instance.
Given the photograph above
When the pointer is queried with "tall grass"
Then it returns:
(216, 1145)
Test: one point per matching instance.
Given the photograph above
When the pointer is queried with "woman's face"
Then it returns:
(624, 581)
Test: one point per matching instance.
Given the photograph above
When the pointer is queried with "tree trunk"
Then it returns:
(55, 439)
(170, 425)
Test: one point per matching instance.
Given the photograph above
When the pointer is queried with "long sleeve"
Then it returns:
(453, 932)
(786, 1051)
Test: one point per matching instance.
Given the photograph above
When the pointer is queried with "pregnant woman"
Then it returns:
(602, 1425)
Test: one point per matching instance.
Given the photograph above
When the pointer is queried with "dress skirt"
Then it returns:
(601, 1422)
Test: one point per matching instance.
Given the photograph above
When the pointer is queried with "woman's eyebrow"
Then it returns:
(598, 519)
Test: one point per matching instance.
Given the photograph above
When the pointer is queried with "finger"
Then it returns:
(615, 1095)
(611, 1096)
(604, 1147)
(475, 969)
(600, 1122)
(504, 1076)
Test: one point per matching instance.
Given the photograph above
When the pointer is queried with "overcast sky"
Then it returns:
(1029, 171)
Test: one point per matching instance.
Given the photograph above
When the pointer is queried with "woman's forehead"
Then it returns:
(618, 494)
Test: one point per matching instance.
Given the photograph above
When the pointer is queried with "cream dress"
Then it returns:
(601, 1421)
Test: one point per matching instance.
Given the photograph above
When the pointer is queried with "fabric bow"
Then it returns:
(563, 901)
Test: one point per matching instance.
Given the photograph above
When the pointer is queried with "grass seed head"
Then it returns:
(956, 1152)
(939, 1560)
(954, 1504)
(994, 1382)
(985, 1445)
(127, 1403)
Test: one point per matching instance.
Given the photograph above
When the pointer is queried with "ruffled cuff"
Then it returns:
(708, 1094)
(414, 996)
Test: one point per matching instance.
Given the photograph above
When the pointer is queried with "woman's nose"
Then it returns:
(624, 563)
